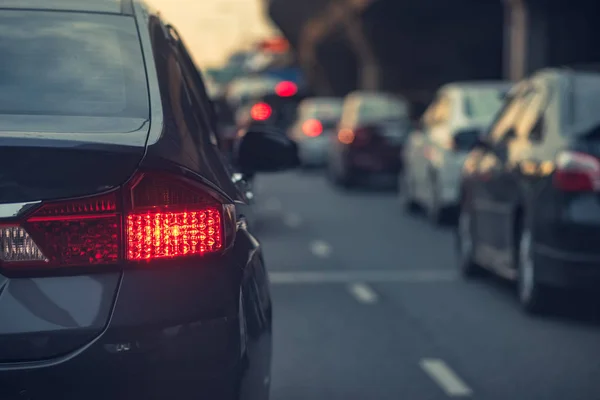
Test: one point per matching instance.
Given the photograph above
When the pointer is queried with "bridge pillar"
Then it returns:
(542, 34)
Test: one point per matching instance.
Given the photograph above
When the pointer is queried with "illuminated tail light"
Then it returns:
(312, 127)
(154, 216)
(286, 89)
(171, 219)
(576, 172)
(261, 112)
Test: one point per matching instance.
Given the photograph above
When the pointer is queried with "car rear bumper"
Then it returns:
(139, 363)
(374, 162)
(566, 270)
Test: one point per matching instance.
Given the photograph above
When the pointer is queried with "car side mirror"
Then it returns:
(266, 150)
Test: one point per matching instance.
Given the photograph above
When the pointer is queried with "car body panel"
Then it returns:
(202, 325)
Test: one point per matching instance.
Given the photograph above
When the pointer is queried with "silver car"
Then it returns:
(435, 152)
(316, 121)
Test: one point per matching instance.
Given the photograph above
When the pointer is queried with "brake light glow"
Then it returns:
(261, 112)
(164, 216)
(286, 89)
(576, 172)
(312, 127)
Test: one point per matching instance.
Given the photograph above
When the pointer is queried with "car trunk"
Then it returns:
(43, 317)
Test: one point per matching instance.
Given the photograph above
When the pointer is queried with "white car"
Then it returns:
(317, 119)
(434, 153)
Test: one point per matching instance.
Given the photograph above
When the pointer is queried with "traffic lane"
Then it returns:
(501, 352)
(363, 228)
(478, 329)
(329, 346)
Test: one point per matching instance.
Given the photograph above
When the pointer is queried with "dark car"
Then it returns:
(529, 201)
(372, 130)
(272, 109)
(127, 270)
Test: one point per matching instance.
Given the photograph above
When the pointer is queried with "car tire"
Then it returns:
(435, 212)
(405, 195)
(465, 248)
(533, 296)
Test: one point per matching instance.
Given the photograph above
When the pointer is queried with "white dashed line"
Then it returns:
(320, 249)
(322, 277)
(363, 293)
(292, 220)
(446, 379)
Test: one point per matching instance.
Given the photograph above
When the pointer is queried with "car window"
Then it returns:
(483, 103)
(526, 123)
(514, 105)
(71, 64)
(203, 104)
(321, 110)
(585, 98)
(381, 108)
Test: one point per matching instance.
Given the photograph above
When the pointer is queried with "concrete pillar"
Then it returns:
(526, 38)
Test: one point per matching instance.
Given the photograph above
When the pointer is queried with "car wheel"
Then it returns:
(405, 194)
(465, 248)
(435, 211)
(533, 296)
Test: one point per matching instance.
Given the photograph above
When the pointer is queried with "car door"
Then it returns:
(422, 152)
(530, 156)
(439, 142)
(490, 213)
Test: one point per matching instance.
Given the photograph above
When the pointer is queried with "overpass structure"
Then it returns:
(411, 47)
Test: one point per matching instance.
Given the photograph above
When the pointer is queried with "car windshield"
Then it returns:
(71, 64)
(483, 104)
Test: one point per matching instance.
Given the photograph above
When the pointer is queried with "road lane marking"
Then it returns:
(292, 220)
(446, 379)
(363, 293)
(370, 276)
(320, 249)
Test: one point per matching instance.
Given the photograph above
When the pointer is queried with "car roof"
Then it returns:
(92, 6)
(473, 85)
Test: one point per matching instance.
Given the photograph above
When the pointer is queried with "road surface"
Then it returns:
(368, 305)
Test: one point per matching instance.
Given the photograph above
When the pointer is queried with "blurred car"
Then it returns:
(371, 133)
(127, 269)
(317, 120)
(274, 110)
(530, 190)
(434, 153)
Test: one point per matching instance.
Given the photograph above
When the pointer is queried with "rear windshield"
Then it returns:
(71, 64)
(483, 103)
(325, 111)
(377, 109)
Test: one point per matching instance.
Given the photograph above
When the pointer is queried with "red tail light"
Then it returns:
(312, 127)
(286, 89)
(577, 172)
(261, 112)
(154, 216)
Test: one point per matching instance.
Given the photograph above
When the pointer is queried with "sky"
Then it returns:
(212, 29)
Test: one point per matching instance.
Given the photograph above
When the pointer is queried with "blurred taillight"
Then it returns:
(261, 112)
(154, 216)
(286, 89)
(576, 172)
(312, 127)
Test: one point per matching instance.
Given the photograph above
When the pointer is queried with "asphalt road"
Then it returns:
(368, 305)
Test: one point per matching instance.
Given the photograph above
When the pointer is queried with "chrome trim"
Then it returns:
(13, 210)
